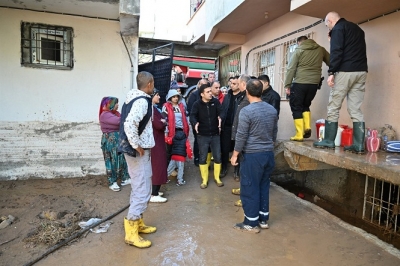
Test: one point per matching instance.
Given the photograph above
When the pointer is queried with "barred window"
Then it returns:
(288, 49)
(46, 46)
(264, 63)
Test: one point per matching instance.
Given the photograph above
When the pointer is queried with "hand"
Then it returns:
(196, 127)
(140, 151)
(331, 81)
(234, 160)
(164, 121)
(287, 90)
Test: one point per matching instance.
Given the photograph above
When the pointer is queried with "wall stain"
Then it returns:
(59, 128)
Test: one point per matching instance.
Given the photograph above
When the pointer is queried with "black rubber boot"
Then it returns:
(224, 171)
(236, 176)
(358, 145)
(330, 134)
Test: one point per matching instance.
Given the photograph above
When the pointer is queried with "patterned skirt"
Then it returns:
(116, 167)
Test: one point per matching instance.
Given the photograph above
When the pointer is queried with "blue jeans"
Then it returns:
(206, 142)
(255, 172)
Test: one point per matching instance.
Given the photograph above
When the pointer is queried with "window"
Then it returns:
(288, 49)
(264, 64)
(46, 46)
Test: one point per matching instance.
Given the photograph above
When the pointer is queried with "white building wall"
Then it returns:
(49, 118)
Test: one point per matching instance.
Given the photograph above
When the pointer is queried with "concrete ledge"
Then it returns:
(303, 156)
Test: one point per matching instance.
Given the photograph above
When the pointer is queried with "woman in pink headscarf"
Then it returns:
(116, 167)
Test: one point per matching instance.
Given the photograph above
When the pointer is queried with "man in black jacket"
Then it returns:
(347, 76)
(269, 95)
(205, 119)
(194, 97)
(227, 116)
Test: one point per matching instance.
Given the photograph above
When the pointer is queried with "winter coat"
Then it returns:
(206, 114)
(158, 152)
(306, 63)
(179, 144)
(348, 48)
(272, 97)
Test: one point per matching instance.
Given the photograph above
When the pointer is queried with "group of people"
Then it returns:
(243, 121)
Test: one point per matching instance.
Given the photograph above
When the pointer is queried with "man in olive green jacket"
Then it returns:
(302, 81)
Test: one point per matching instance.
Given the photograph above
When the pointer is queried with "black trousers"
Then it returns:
(155, 190)
(301, 96)
(195, 145)
(227, 145)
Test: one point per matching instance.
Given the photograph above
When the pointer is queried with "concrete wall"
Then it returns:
(50, 116)
(380, 104)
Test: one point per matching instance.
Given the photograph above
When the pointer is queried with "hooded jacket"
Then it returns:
(305, 64)
(168, 108)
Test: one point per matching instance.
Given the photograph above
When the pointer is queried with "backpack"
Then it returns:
(123, 144)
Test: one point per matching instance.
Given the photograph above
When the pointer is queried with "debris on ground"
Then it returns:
(102, 228)
(53, 228)
(6, 221)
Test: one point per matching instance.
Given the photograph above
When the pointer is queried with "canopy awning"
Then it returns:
(198, 73)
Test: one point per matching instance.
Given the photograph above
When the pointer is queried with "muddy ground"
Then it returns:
(194, 227)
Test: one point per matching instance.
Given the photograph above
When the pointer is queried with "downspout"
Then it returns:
(130, 59)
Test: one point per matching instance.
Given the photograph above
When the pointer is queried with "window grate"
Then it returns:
(287, 49)
(46, 46)
(264, 64)
(382, 205)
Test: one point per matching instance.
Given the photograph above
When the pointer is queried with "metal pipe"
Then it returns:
(365, 196)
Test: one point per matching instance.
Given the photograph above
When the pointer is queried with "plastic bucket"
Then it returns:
(347, 137)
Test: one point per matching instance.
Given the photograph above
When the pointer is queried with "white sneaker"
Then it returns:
(114, 187)
(160, 193)
(126, 182)
(157, 199)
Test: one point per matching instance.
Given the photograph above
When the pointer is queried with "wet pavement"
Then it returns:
(195, 227)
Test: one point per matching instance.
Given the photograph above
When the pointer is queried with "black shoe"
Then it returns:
(223, 173)
(264, 224)
(196, 162)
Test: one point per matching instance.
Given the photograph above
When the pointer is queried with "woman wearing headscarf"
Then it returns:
(116, 167)
(158, 152)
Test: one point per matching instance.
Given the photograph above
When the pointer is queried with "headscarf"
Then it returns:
(107, 105)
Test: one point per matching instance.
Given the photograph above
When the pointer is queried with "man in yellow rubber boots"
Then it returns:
(205, 119)
(136, 140)
(302, 80)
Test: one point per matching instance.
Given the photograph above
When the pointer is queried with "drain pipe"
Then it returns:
(130, 59)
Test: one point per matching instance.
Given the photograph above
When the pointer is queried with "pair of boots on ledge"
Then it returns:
(303, 131)
(331, 128)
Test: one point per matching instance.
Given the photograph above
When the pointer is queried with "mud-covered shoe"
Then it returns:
(264, 224)
(238, 203)
(247, 228)
(236, 191)
(126, 182)
(115, 187)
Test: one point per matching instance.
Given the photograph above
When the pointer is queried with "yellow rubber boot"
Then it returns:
(132, 236)
(204, 175)
(299, 125)
(307, 125)
(145, 229)
(208, 161)
(217, 171)
(236, 191)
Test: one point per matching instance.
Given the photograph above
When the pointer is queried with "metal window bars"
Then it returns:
(382, 205)
(46, 45)
(287, 49)
(264, 64)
